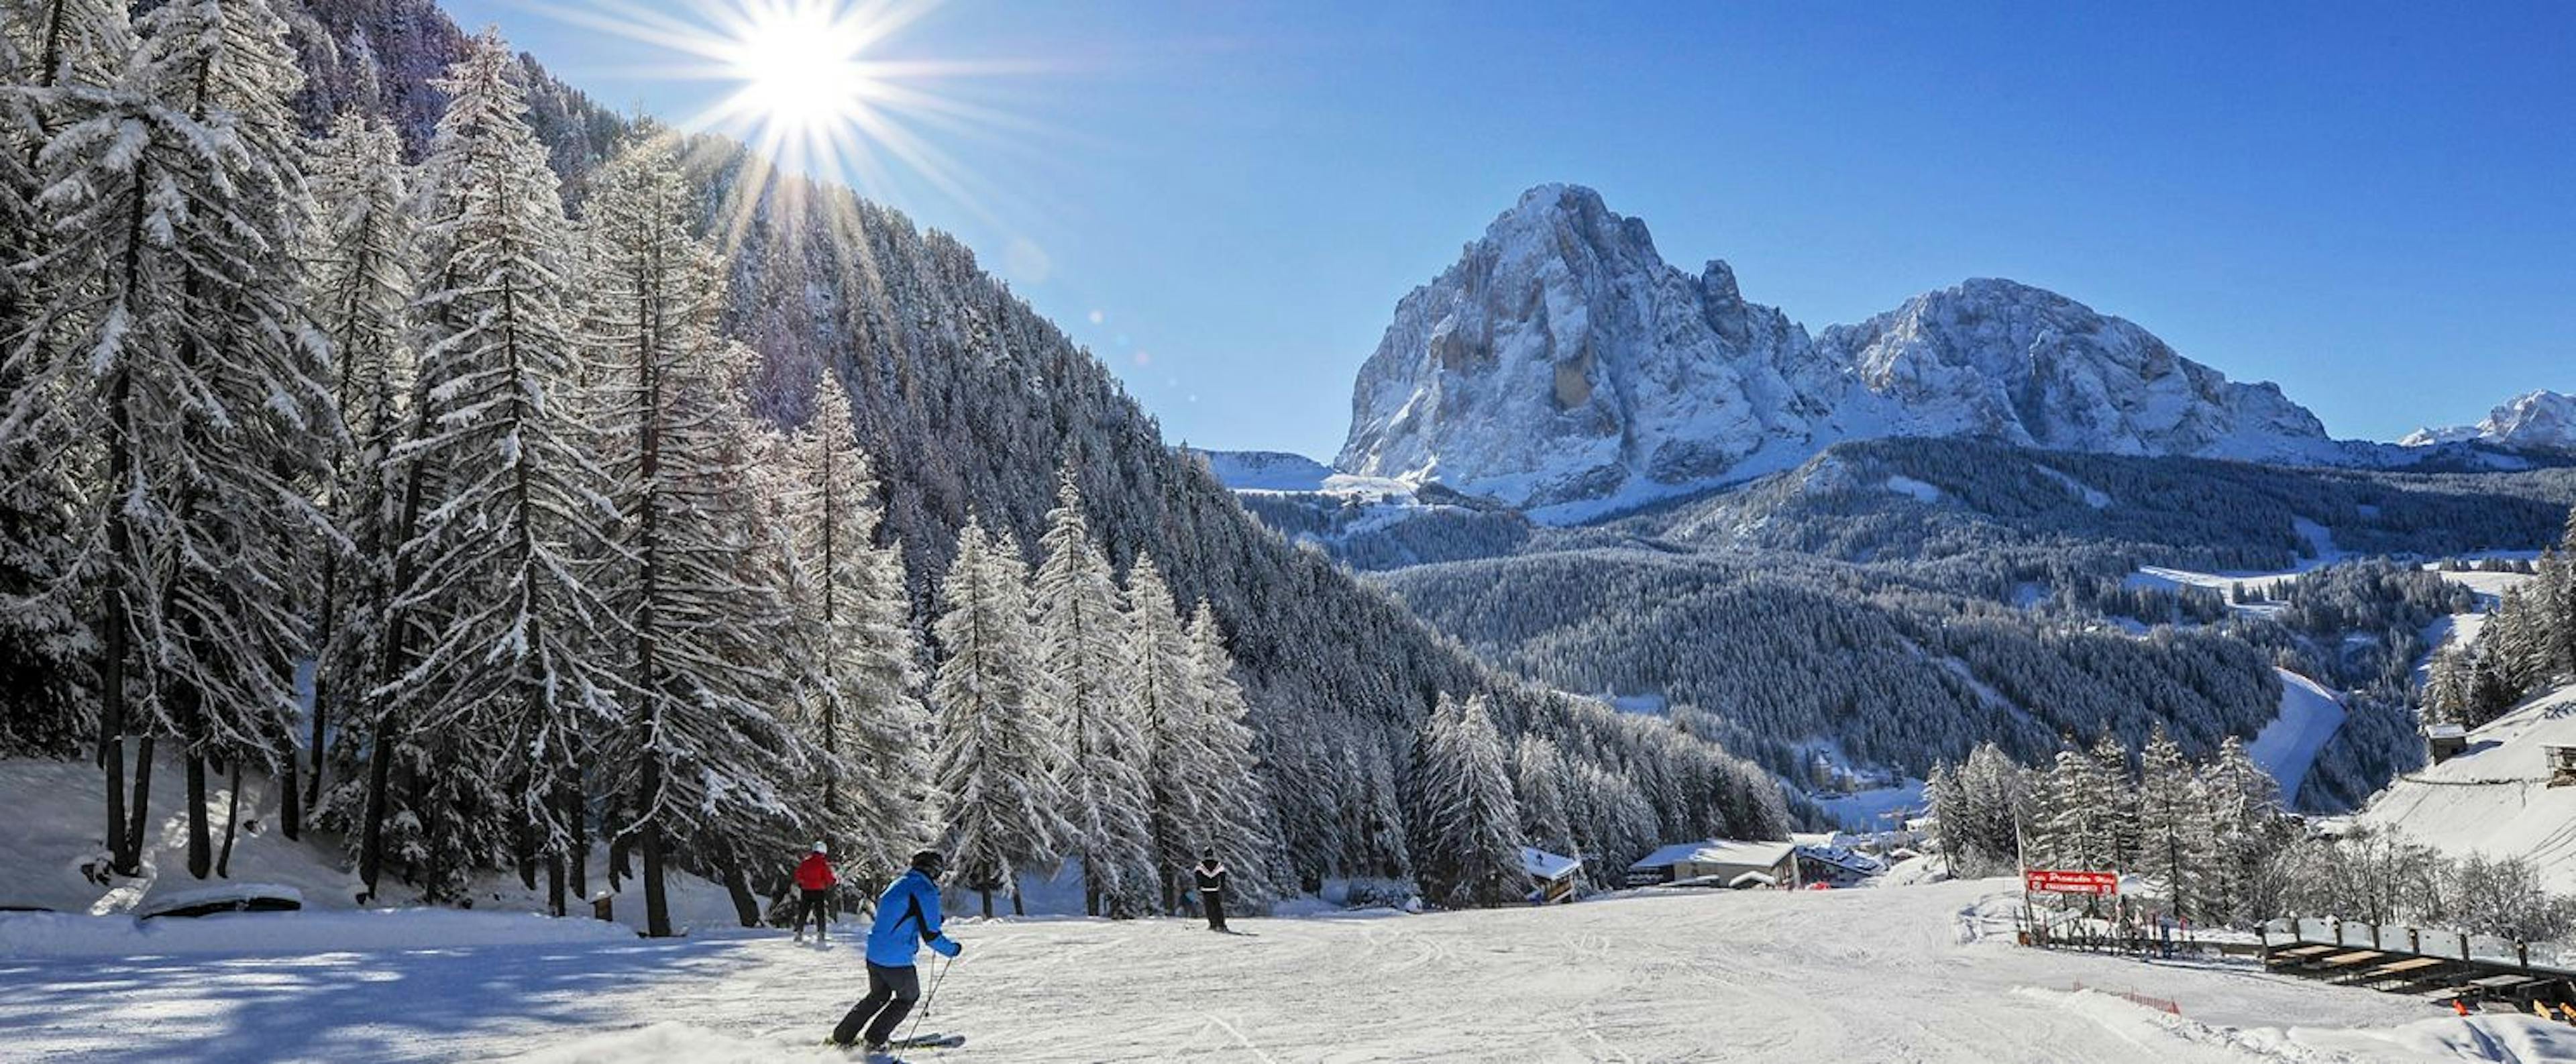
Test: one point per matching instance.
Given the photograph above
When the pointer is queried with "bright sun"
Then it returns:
(799, 65)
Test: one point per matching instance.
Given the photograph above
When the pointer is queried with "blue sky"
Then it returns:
(2373, 204)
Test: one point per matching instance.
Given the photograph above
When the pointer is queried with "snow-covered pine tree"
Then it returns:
(1238, 801)
(997, 751)
(1087, 695)
(44, 649)
(2120, 830)
(2448, 683)
(864, 709)
(359, 259)
(701, 759)
(493, 660)
(2074, 830)
(176, 194)
(2242, 811)
(1540, 778)
(1473, 823)
(2169, 851)
(1167, 717)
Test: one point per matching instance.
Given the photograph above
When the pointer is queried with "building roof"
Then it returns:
(2447, 731)
(1547, 865)
(1718, 851)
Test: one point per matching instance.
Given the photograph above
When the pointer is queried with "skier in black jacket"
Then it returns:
(1212, 889)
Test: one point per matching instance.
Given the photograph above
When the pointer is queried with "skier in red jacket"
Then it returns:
(814, 880)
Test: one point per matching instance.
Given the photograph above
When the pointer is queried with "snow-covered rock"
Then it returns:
(1994, 359)
(2539, 420)
(1562, 361)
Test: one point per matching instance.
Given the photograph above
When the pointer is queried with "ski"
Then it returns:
(928, 1041)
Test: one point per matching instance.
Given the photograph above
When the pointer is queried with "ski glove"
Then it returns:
(946, 947)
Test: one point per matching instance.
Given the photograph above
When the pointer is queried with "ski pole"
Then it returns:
(944, 962)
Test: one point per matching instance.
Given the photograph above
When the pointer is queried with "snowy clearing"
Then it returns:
(1694, 976)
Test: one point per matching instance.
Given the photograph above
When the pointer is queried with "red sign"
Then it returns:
(2059, 881)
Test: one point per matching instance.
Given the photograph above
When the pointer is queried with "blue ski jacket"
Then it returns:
(907, 916)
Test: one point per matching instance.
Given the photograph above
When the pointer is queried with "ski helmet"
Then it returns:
(929, 863)
(820, 848)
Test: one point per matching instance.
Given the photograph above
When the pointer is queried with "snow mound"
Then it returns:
(2170, 1036)
(282, 933)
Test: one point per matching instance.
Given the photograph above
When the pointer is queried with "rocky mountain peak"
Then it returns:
(1562, 362)
(2536, 420)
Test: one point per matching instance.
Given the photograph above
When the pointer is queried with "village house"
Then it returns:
(1718, 863)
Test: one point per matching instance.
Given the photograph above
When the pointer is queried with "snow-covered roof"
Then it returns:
(1718, 851)
(1547, 865)
(2447, 731)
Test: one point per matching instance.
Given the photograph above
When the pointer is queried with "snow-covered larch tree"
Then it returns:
(1168, 718)
(492, 654)
(1238, 801)
(2169, 850)
(44, 648)
(360, 263)
(175, 195)
(1471, 820)
(860, 697)
(701, 759)
(1087, 695)
(996, 751)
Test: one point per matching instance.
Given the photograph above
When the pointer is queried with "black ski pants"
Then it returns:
(1214, 902)
(891, 992)
(816, 904)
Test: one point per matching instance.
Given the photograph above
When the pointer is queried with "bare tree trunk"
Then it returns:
(657, 908)
(232, 821)
(201, 856)
(746, 905)
(290, 808)
(135, 832)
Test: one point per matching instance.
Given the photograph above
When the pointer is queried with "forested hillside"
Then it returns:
(1902, 600)
(635, 647)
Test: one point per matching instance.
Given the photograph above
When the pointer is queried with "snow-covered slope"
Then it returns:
(1562, 361)
(1702, 976)
(2287, 747)
(2540, 420)
(1266, 470)
(2495, 798)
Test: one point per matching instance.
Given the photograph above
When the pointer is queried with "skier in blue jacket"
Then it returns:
(907, 917)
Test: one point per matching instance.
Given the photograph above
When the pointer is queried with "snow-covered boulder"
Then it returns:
(223, 898)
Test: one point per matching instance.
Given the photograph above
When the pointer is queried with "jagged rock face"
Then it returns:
(1995, 360)
(1562, 360)
(1561, 357)
(2541, 420)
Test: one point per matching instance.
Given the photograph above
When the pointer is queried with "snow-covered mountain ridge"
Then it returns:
(1561, 362)
(2536, 420)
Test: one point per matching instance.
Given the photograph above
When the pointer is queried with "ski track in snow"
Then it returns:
(1902, 973)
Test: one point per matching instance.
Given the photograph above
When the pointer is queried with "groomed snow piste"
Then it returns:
(1917, 973)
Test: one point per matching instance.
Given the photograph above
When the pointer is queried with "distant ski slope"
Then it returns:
(2287, 747)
